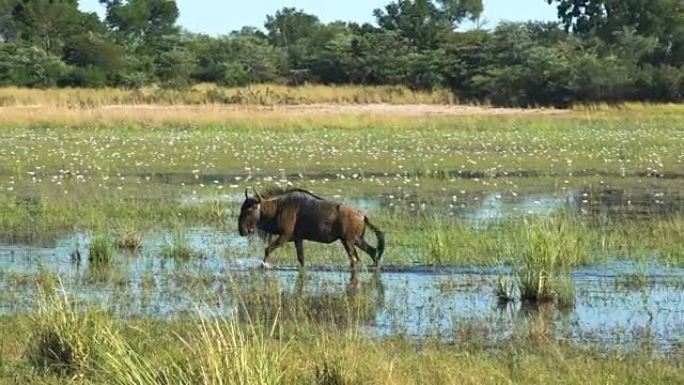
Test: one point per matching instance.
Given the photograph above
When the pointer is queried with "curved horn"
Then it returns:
(246, 194)
(258, 196)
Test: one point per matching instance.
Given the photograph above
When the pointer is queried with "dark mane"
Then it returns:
(274, 192)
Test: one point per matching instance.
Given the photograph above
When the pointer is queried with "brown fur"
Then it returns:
(298, 215)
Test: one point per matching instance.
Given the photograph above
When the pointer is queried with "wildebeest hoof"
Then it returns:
(266, 265)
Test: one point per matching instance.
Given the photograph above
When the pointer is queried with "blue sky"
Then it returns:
(216, 17)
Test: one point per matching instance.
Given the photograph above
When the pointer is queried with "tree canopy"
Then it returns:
(599, 50)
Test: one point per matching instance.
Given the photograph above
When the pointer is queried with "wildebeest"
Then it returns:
(297, 215)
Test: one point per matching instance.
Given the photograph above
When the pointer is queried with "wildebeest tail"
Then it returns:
(378, 234)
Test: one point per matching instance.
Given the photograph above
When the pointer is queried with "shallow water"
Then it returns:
(453, 303)
(485, 207)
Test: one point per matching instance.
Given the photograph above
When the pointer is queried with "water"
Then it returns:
(452, 303)
(485, 207)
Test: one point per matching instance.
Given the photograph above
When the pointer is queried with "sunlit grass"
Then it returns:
(544, 256)
(130, 241)
(262, 94)
(592, 185)
(213, 350)
(63, 338)
(101, 249)
(178, 248)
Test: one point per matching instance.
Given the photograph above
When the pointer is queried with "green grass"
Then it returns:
(178, 248)
(62, 339)
(504, 289)
(58, 178)
(94, 348)
(131, 241)
(101, 249)
(90, 173)
(548, 251)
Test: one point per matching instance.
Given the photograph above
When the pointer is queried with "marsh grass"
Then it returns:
(439, 250)
(46, 280)
(548, 250)
(446, 242)
(328, 373)
(97, 349)
(101, 249)
(63, 337)
(178, 248)
(504, 290)
(131, 241)
(230, 354)
(215, 351)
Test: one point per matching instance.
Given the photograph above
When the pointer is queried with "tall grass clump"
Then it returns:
(130, 241)
(548, 250)
(227, 353)
(453, 243)
(62, 338)
(101, 250)
(178, 248)
(438, 249)
(218, 351)
(504, 289)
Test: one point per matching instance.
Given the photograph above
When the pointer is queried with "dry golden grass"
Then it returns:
(265, 94)
(268, 105)
(256, 116)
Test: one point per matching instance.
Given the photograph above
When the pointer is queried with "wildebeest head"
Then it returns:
(250, 213)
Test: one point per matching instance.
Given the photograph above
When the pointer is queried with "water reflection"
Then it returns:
(450, 303)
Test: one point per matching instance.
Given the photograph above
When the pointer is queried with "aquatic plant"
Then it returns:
(101, 249)
(178, 248)
(504, 289)
(131, 241)
(547, 250)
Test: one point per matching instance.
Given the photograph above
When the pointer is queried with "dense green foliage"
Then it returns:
(604, 50)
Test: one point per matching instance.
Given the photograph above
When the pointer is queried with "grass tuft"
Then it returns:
(130, 241)
(504, 290)
(101, 250)
(549, 249)
(179, 249)
(215, 352)
(62, 338)
(329, 373)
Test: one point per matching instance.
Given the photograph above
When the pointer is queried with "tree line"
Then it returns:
(598, 51)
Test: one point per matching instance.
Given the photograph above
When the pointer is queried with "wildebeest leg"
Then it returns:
(368, 249)
(353, 286)
(281, 240)
(351, 251)
(299, 245)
